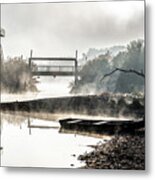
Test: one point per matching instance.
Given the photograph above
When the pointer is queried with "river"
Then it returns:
(47, 86)
(30, 142)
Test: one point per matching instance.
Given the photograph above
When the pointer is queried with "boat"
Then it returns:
(102, 126)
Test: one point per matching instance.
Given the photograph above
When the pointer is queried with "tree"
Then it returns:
(90, 75)
(125, 71)
(16, 76)
(133, 61)
(127, 67)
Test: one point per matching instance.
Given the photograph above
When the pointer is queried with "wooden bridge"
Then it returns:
(54, 70)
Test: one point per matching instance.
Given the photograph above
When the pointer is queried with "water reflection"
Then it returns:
(30, 142)
(40, 126)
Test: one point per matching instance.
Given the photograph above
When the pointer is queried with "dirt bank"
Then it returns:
(110, 105)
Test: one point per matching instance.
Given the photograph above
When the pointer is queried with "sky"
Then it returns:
(58, 29)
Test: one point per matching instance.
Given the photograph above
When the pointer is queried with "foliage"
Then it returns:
(16, 76)
(133, 59)
(93, 71)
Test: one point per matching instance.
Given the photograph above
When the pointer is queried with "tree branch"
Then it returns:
(125, 71)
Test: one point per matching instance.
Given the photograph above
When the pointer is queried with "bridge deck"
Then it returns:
(53, 73)
(54, 70)
(52, 59)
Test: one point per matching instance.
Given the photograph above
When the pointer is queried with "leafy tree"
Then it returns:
(91, 74)
(94, 70)
(133, 59)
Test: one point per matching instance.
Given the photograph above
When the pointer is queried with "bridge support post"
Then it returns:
(76, 67)
(31, 52)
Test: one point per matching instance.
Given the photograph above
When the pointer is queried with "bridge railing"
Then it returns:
(43, 68)
(55, 70)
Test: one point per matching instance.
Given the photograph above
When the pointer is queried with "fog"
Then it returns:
(47, 87)
(58, 29)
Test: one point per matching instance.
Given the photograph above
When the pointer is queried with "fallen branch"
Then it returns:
(125, 71)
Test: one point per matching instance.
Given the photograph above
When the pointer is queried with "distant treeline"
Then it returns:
(91, 76)
(16, 76)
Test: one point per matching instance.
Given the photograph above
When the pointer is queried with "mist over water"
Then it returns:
(48, 86)
(54, 86)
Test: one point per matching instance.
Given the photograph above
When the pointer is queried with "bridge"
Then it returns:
(54, 70)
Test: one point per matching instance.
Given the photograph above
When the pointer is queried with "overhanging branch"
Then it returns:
(125, 71)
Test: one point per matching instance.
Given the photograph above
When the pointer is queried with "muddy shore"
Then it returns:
(122, 152)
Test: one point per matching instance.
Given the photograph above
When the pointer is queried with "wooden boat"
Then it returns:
(102, 126)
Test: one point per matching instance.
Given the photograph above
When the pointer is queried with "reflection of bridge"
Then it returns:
(54, 70)
(30, 126)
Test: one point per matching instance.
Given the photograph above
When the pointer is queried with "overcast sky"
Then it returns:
(58, 29)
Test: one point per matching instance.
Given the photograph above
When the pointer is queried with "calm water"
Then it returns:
(36, 142)
(48, 86)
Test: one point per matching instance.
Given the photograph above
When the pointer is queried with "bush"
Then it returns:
(16, 76)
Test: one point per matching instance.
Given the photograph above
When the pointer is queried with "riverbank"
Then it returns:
(103, 105)
(122, 152)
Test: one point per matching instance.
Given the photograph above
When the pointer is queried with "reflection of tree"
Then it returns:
(14, 119)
